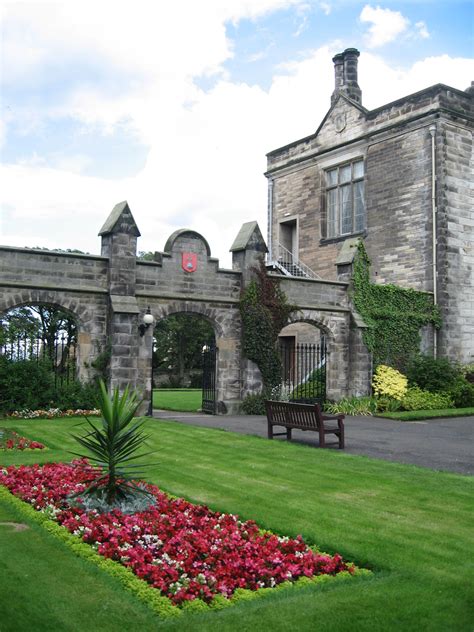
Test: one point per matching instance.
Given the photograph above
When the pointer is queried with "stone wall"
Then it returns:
(455, 204)
(108, 296)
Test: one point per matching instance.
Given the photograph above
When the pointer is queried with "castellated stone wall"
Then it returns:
(109, 294)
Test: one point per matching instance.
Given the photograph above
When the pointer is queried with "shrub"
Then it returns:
(387, 404)
(25, 384)
(432, 374)
(353, 406)
(462, 393)
(30, 384)
(76, 394)
(390, 382)
(254, 404)
(418, 399)
(314, 387)
(468, 372)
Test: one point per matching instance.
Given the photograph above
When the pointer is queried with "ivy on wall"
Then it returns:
(264, 309)
(394, 315)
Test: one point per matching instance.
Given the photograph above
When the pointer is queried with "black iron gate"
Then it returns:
(209, 379)
(57, 354)
(304, 369)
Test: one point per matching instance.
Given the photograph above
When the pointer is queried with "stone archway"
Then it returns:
(89, 315)
(225, 321)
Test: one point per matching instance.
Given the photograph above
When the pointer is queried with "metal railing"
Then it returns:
(290, 265)
(59, 354)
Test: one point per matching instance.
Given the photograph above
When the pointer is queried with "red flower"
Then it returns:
(186, 551)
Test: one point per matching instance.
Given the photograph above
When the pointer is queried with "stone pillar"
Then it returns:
(359, 357)
(248, 247)
(129, 351)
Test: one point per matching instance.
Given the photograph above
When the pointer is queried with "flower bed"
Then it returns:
(52, 413)
(186, 551)
(11, 440)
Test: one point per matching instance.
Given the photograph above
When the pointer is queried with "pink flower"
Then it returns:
(185, 551)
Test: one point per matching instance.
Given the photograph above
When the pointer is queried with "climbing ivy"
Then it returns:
(394, 315)
(264, 309)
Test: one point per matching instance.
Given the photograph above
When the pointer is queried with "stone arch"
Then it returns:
(162, 311)
(320, 321)
(91, 336)
(336, 327)
(184, 233)
(226, 324)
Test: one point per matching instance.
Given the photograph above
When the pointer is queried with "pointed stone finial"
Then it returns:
(249, 238)
(120, 220)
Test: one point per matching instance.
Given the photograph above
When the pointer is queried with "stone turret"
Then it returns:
(345, 75)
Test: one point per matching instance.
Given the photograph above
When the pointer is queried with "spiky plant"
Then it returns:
(113, 445)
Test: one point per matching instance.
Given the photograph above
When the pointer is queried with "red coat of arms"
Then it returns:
(189, 261)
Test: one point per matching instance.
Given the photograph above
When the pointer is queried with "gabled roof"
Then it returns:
(340, 96)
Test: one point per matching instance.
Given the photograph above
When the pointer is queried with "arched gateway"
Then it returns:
(108, 295)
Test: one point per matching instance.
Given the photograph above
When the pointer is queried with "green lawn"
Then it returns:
(179, 399)
(413, 526)
(414, 415)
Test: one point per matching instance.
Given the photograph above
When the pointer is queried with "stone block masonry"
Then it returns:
(108, 296)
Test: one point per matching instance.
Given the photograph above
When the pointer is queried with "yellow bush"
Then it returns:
(390, 382)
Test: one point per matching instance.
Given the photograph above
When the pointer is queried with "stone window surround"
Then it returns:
(335, 158)
(326, 188)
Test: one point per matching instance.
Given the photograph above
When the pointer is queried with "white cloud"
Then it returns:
(325, 7)
(422, 30)
(386, 25)
(207, 149)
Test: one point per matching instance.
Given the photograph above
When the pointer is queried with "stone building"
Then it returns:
(400, 178)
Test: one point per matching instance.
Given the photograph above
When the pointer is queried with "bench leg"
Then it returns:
(288, 434)
(322, 439)
(341, 439)
(270, 431)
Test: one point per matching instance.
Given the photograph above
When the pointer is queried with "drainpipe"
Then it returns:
(432, 130)
(270, 218)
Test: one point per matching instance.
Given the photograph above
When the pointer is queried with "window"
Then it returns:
(345, 205)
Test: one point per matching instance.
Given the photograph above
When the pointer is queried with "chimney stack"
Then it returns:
(345, 75)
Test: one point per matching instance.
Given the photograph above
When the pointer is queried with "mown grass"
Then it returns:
(412, 525)
(180, 399)
(414, 415)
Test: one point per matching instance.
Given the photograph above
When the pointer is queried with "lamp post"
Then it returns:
(148, 321)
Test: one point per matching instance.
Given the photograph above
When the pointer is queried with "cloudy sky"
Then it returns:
(173, 105)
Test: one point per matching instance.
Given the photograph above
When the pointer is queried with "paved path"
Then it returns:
(441, 444)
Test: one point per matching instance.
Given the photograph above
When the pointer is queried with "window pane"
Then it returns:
(359, 206)
(345, 174)
(346, 209)
(332, 213)
(358, 169)
(331, 177)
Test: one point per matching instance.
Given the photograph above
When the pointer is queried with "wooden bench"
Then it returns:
(303, 417)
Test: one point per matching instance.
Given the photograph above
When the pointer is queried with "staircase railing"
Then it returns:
(290, 265)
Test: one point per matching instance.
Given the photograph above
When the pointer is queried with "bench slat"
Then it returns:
(303, 417)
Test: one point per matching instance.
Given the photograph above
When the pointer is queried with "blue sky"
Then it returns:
(173, 106)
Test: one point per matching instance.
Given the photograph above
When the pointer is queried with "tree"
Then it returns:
(179, 342)
(46, 323)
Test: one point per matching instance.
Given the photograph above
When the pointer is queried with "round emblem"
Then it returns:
(340, 122)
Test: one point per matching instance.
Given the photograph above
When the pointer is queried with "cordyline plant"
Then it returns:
(113, 445)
